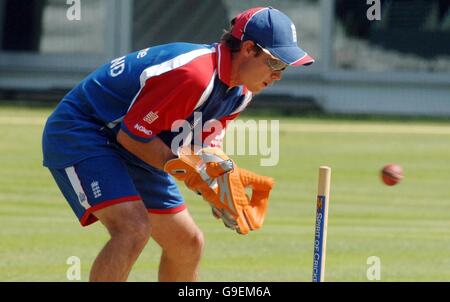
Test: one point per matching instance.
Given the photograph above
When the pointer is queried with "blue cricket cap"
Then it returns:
(272, 30)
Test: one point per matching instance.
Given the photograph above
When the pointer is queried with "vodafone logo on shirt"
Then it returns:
(151, 117)
(141, 128)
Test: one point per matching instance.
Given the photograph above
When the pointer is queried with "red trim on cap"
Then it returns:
(167, 211)
(242, 20)
(305, 60)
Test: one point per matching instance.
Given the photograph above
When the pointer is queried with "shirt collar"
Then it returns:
(224, 65)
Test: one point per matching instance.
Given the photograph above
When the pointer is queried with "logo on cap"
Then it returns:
(294, 33)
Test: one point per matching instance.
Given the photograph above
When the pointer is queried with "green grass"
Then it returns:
(407, 226)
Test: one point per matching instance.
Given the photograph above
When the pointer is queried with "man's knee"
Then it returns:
(194, 243)
(134, 232)
(199, 240)
(127, 222)
(178, 235)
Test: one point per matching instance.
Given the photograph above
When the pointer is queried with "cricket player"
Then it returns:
(109, 142)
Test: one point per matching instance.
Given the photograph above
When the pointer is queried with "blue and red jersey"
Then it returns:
(143, 93)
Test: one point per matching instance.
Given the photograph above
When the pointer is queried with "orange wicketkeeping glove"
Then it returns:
(211, 173)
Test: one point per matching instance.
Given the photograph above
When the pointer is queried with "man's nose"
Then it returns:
(276, 75)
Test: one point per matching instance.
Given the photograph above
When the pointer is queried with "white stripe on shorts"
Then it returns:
(76, 185)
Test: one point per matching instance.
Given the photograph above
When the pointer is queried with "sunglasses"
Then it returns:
(274, 64)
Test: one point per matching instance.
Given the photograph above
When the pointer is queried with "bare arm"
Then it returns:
(154, 153)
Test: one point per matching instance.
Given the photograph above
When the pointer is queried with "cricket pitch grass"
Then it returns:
(406, 226)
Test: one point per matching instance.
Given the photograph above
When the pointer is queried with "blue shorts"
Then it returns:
(99, 182)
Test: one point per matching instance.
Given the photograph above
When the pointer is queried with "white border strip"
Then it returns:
(164, 67)
(207, 91)
(76, 185)
(245, 102)
(167, 66)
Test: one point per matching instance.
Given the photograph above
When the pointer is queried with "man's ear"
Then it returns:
(248, 48)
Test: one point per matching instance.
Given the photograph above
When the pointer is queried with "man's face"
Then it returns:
(258, 72)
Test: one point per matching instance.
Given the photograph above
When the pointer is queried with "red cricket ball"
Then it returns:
(391, 174)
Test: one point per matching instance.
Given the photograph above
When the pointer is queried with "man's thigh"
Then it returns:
(94, 184)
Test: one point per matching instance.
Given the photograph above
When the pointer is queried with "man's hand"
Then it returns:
(216, 177)
(233, 202)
